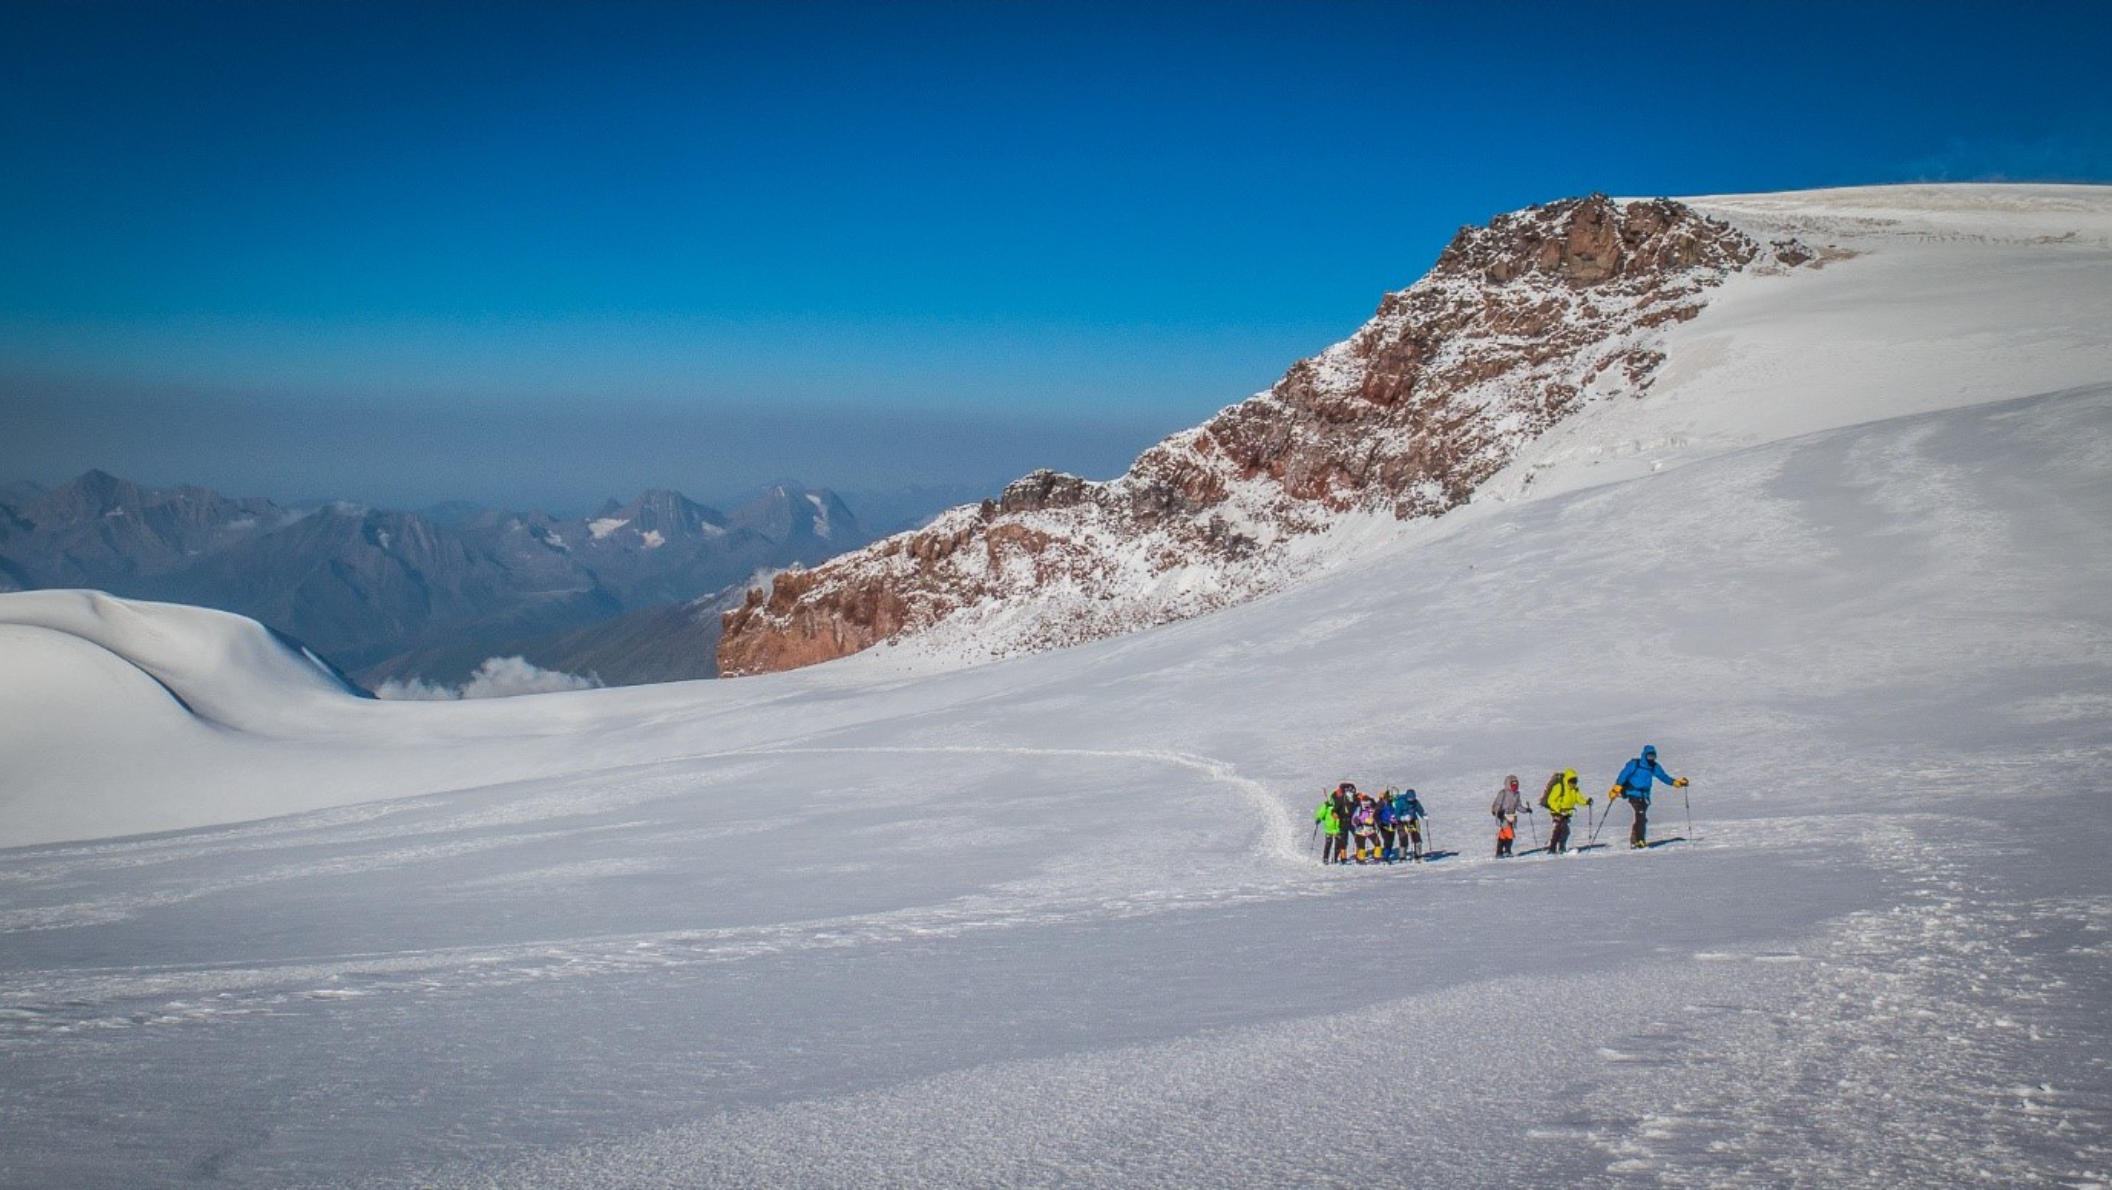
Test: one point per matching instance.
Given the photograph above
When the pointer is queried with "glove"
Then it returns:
(1680, 783)
(1612, 794)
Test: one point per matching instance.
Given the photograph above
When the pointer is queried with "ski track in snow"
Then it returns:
(1277, 841)
(66, 1003)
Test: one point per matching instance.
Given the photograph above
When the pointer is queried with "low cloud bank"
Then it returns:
(497, 677)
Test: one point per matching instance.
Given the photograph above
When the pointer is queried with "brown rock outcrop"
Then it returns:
(1516, 325)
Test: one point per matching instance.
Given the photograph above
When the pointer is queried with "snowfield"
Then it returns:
(905, 920)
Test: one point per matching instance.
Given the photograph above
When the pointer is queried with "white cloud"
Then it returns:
(414, 690)
(503, 677)
(497, 677)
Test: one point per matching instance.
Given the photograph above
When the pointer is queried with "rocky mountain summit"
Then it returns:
(1517, 325)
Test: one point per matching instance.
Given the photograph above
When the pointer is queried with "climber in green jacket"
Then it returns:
(1331, 825)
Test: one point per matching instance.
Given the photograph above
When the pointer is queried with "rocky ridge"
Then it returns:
(1514, 328)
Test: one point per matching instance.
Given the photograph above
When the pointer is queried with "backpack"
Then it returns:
(1553, 783)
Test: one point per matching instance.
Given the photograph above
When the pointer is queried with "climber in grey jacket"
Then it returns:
(1505, 810)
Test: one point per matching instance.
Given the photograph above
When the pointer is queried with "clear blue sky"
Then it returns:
(543, 253)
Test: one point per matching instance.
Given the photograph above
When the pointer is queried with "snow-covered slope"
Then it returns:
(1516, 326)
(227, 669)
(102, 700)
(1055, 920)
(1937, 296)
(1576, 343)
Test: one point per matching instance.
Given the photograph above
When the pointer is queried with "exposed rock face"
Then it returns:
(1514, 328)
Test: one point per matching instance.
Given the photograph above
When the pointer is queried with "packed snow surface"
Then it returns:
(899, 921)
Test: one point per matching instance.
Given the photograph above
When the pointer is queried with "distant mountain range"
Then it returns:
(429, 595)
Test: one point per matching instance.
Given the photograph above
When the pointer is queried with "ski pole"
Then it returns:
(1690, 810)
(1535, 824)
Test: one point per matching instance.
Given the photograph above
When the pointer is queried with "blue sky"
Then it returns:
(544, 253)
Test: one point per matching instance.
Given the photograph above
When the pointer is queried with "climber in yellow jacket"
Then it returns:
(1562, 799)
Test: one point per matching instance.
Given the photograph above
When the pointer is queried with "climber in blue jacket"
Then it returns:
(1634, 784)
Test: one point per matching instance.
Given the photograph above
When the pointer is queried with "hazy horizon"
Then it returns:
(253, 447)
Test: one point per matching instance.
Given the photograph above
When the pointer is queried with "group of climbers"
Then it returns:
(1389, 827)
(1385, 828)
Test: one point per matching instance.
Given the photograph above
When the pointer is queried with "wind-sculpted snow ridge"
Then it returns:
(226, 669)
(1518, 325)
